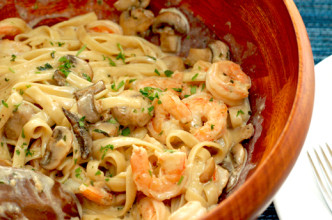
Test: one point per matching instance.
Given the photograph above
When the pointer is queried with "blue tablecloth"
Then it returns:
(317, 17)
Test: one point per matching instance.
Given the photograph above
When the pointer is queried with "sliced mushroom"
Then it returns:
(220, 51)
(80, 128)
(15, 123)
(122, 5)
(25, 194)
(170, 24)
(97, 87)
(86, 103)
(133, 116)
(59, 78)
(57, 148)
(208, 171)
(136, 21)
(174, 63)
(196, 54)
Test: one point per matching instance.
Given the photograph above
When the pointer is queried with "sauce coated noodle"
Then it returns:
(121, 122)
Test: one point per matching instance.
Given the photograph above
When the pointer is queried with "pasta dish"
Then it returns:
(100, 123)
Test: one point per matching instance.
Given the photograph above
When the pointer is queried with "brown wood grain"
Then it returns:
(269, 40)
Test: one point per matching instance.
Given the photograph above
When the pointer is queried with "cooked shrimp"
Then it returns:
(9, 47)
(96, 194)
(171, 177)
(226, 81)
(151, 209)
(11, 27)
(104, 26)
(209, 116)
(172, 84)
(191, 210)
(169, 111)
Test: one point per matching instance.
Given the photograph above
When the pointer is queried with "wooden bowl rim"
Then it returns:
(305, 82)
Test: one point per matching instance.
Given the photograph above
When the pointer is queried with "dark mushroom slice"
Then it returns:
(220, 51)
(96, 88)
(86, 103)
(196, 54)
(171, 24)
(25, 194)
(81, 131)
(122, 5)
(59, 78)
(14, 125)
(136, 21)
(57, 148)
(133, 116)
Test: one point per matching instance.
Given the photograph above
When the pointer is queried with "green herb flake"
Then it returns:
(60, 44)
(112, 121)
(18, 152)
(212, 127)
(193, 90)
(64, 138)
(194, 77)
(16, 107)
(161, 133)
(157, 72)
(151, 57)
(78, 172)
(232, 81)
(101, 132)
(52, 54)
(168, 73)
(125, 132)
(186, 96)
(88, 78)
(211, 99)
(107, 179)
(23, 135)
(121, 54)
(104, 149)
(81, 122)
(81, 50)
(132, 80)
(28, 86)
(35, 6)
(111, 62)
(11, 70)
(159, 102)
(203, 87)
(47, 66)
(28, 153)
(6, 79)
(4, 103)
(75, 161)
(13, 58)
(180, 180)
(150, 172)
(177, 89)
(98, 173)
(239, 112)
(169, 150)
(100, 2)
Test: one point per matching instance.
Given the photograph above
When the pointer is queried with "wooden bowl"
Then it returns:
(269, 40)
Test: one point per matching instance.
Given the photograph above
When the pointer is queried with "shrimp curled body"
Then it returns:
(226, 81)
(171, 179)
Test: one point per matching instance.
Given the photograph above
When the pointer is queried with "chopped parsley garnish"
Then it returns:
(6, 79)
(212, 127)
(52, 54)
(18, 152)
(150, 172)
(28, 152)
(186, 96)
(28, 86)
(111, 62)
(161, 133)
(11, 70)
(16, 107)
(180, 180)
(150, 93)
(168, 73)
(177, 89)
(194, 77)
(60, 44)
(119, 86)
(239, 112)
(78, 172)
(125, 132)
(4, 103)
(23, 135)
(193, 90)
(121, 54)
(157, 72)
(13, 58)
(81, 122)
(112, 121)
(65, 65)
(151, 57)
(64, 138)
(88, 78)
(81, 50)
(150, 109)
(211, 99)
(131, 80)
(100, 2)
(101, 132)
(169, 150)
(98, 173)
(159, 102)
(232, 81)
(105, 149)
(35, 6)
(47, 66)
(203, 86)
